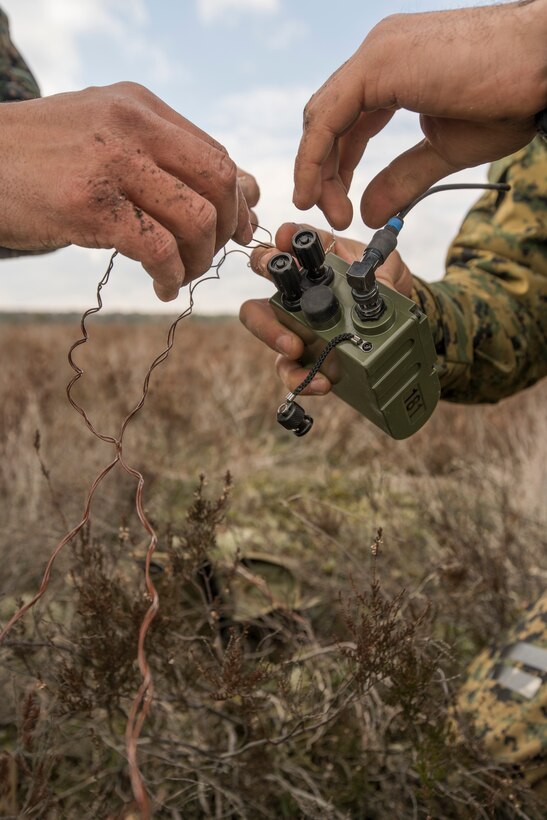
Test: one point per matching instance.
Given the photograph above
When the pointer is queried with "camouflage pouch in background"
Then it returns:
(506, 694)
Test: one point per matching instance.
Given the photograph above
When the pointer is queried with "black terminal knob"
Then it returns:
(284, 271)
(310, 253)
(293, 417)
(320, 305)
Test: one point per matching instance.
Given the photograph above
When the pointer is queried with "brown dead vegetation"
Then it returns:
(298, 672)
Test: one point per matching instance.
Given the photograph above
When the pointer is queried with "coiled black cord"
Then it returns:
(342, 337)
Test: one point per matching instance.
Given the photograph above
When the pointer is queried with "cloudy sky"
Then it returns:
(240, 69)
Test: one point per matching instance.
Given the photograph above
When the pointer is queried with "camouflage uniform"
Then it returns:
(16, 83)
(506, 693)
(16, 80)
(488, 317)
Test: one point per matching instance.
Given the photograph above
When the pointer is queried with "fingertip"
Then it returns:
(373, 213)
(384, 196)
(169, 276)
(404, 179)
(284, 235)
(336, 205)
(249, 187)
(298, 201)
(319, 385)
(166, 293)
(306, 196)
(243, 233)
(259, 259)
(289, 345)
(339, 221)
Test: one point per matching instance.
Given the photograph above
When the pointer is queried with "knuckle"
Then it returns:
(128, 88)
(116, 158)
(388, 24)
(227, 172)
(121, 108)
(100, 195)
(163, 248)
(205, 220)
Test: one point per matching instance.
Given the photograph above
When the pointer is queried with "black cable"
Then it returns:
(457, 186)
(342, 337)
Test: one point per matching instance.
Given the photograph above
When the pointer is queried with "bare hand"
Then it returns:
(258, 316)
(115, 167)
(477, 76)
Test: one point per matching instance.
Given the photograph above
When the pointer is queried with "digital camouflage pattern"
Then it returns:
(16, 80)
(506, 694)
(488, 315)
(16, 83)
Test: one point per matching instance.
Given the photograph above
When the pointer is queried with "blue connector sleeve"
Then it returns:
(396, 223)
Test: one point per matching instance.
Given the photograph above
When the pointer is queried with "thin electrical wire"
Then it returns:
(455, 186)
(140, 705)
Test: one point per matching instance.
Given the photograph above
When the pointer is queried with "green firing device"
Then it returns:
(375, 347)
(373, 343)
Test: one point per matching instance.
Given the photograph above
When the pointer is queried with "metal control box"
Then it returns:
(391, 378)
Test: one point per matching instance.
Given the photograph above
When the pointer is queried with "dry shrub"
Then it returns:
(333, 706)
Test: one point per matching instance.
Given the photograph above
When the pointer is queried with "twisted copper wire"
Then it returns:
(140, 705)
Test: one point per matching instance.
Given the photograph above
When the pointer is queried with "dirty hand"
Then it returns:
(258, 316)
(476, 76)
(115, 167)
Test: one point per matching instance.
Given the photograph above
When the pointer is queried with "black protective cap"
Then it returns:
(319, 304)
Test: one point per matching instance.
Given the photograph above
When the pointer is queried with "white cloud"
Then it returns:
(263, 122)
(48, 33)
(210, 11)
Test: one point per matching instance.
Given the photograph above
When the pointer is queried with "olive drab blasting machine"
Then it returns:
(381, 356)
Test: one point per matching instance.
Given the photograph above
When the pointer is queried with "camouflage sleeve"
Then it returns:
(16, 80)
(488, 315)
(16, 83)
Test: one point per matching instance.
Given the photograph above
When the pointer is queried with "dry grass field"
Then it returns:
(317, 607)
